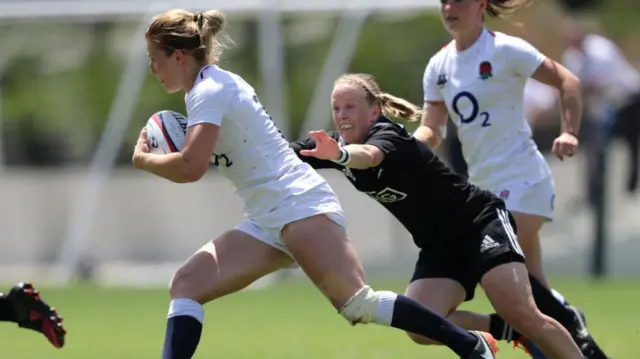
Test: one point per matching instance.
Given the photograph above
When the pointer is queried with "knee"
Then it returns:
(419, 339)
(185, 284)
(179, 284)
(369, 306)
(525, 318)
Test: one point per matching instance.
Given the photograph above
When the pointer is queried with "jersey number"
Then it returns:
(475, 109)
(221, 160)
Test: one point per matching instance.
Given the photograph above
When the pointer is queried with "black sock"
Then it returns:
(501, 330)
(549, 305)
(412, 317)
(6, 310)
(182, 337)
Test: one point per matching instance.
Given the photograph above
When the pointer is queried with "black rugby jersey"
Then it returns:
(414, 185)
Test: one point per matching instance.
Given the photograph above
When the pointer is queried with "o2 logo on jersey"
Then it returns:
(475, 109)
(387, 195)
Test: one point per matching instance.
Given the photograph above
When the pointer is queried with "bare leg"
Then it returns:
(507, 287)
(321, 248)
(226, 265)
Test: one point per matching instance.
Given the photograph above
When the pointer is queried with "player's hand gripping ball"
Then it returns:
(164, 133)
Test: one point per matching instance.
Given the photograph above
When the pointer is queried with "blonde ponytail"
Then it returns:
(396, 107)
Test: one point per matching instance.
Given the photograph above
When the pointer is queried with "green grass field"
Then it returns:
(290, 320)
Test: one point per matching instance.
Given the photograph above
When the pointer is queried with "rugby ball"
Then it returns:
(166, 131)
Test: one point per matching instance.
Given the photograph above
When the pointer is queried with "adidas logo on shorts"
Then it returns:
(487, 243)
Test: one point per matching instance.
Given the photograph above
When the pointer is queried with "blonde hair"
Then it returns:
(199, 34)
(391, 106)
(502, 8)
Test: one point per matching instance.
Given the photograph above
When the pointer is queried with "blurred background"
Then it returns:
(75, 91)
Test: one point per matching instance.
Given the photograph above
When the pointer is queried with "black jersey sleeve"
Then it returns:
(309, 144)
(397, 145)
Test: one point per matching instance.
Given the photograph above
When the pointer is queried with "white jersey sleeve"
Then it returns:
(208, 103)
(430, 83)
(523, 57)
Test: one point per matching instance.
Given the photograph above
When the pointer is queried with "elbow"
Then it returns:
(422, 133)
(373, 161)
(571, 83)
(576, 81)
(193, 174)
(374, 158)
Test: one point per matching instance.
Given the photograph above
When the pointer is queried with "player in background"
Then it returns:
(24, 306)
(464, 233)
(292, 214)
(478, 80)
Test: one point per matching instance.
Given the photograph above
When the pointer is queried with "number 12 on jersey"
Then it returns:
(475, 109)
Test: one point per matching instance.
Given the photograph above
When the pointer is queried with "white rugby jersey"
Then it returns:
(483, 89)
(250, 151)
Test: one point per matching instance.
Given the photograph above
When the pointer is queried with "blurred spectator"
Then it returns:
(611, 89)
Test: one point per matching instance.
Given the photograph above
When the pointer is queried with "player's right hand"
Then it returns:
(326, 147)
(566, 145)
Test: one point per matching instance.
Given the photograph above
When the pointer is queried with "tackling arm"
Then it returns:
(309, 144)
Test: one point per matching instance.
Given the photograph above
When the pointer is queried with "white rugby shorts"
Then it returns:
(267, 227)
(522, 196)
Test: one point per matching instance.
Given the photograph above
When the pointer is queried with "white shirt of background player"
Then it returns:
(478, 80)
(483, 89)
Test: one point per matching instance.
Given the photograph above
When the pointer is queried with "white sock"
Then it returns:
(386, 303)
(186, 307)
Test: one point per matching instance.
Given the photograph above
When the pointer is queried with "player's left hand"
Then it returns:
(142, 147)
(326, 147)
(566, 145)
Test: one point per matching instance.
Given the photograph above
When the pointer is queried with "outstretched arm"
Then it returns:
(309, 143)
(352, 156)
